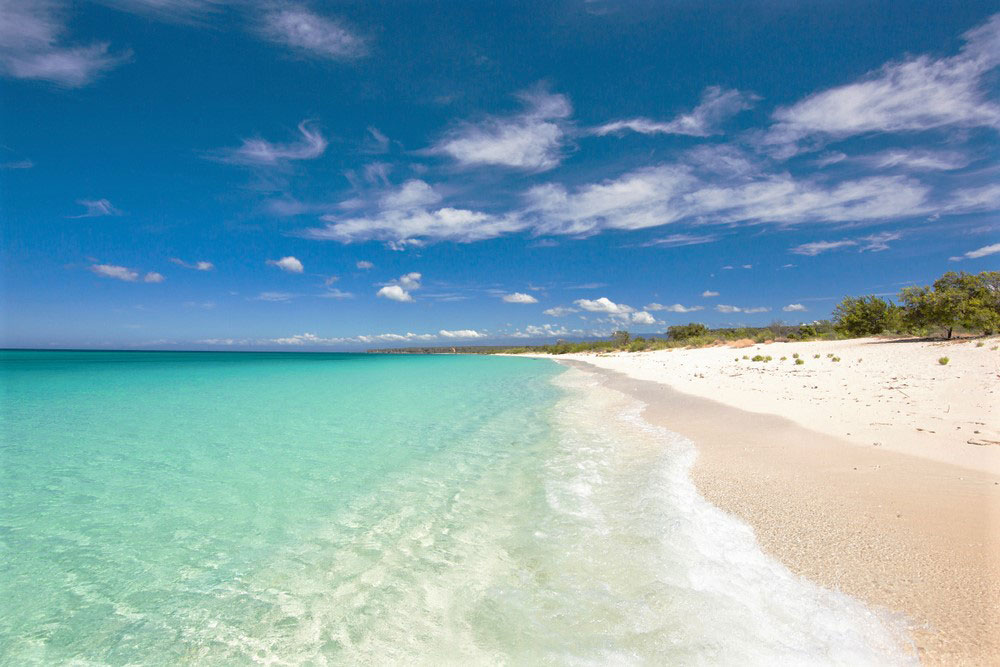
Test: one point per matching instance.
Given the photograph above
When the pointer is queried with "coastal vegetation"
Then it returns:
(955, 302)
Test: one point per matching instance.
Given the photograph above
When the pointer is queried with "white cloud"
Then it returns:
(985, 251)
(334, 293)
(394, 293)
(913, 95)
(274, 296)
(519, 297)
(816, 247)
(716, 105)
(32, 46)
(96, 208)
(531, 140)
(200, 265)
(18, 164)
(310, 34)
(794, 308)
(980, 198)
(406, 215)
(560, 311)
(461, 333)
(153, 277)
(288, 264)
(678, 240)
(675, 308)
(259, 152)
(709, 293)
(879, 242)
(642, 317)
(116, 272)
(364, 265)
(722, 308)
(534, 331)
(920, 160)
(871, 243)
(604, 305)
(399, 290)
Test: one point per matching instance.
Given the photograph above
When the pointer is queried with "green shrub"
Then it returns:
(980, 344)
(783, 358)
(835, 359)
(687, 331)
(799, 362)
(815, 356)
(795, 355)
(944, 361)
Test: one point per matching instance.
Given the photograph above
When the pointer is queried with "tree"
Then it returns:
(865, 316)
(971, 301)
(621, 338)
(686, 331)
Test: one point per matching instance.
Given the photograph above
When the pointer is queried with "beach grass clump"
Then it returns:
(944, 361)
(980, 344)
(795, 355)
(799, 362)
(834, 358)
(829, 355)
(815, 356)
(783, 358)
(757, 357)
(745, 356)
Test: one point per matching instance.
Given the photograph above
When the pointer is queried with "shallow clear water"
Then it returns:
(158, 508)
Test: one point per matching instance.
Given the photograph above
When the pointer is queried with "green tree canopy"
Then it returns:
(971, 301)
(865, 316)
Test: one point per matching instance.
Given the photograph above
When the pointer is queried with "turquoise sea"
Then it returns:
(284, 509)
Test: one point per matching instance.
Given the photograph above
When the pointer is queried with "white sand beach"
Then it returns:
(878, 474)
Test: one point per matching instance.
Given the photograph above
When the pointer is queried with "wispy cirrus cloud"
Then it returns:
(916, 94)
(200, 265)
(310, 34)
(260, 152)
(717, 104)
(871, 243)
(33, 45)
(985, 251)
(723, 308)
(531, 140)
(680, 240)
(560, 311)
(96, 208)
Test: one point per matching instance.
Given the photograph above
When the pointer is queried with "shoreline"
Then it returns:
(900, 532)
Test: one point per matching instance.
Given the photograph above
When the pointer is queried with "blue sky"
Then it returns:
(238, 175)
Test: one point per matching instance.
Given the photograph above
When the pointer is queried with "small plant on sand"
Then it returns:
(829, 355)
(783, 358)
(795, 355)
(993, 349)
(799, 362)
(944, 361)
(980, 344)
(758, 357)
(815, 356)
(745, 356)
(768, 358)
(834, 358)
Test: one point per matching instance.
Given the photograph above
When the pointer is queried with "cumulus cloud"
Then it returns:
(642, 317)
(709, 293)
(794, 308)
(519, 297)
(461, 333)
(559, 311)
(200, 265)
(916, 94)
(260, 152)
(675, 308)
(985, 251)
(116, 272)
(32, 46)
(399, 289)
(723, 308)
(288, 264)
(717, 104)
(604, 305)
(531, 140)
(153, 277)
(310, 34)
(364, 265)
(96, 208)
